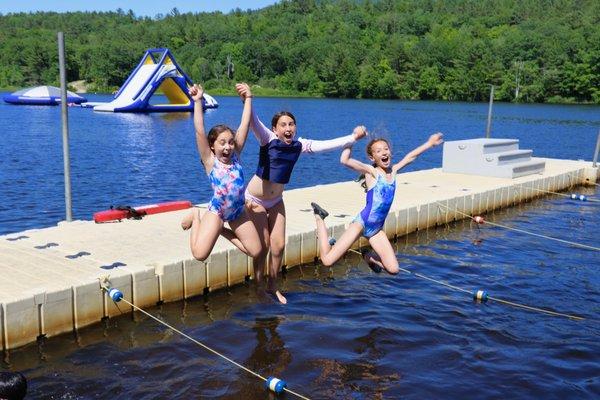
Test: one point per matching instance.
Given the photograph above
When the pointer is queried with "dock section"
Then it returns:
(51, 277)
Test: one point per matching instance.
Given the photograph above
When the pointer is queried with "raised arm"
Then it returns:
(354, 164)
(434, 140)
(204, 150)
(262, 133)
(316, 146)
(242, 133)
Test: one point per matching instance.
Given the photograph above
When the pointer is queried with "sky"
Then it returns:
(140, 7)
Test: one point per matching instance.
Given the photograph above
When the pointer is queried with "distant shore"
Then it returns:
(82, 87)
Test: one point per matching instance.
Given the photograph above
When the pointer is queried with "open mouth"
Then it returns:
(288, 135)
(385, 159)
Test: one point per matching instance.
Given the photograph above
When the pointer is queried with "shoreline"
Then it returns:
(274, 93)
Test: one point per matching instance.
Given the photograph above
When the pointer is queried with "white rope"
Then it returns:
(585, 246)
(206, 347)
(561, 194)
(542, 310)
(459, 289)
(588, 183)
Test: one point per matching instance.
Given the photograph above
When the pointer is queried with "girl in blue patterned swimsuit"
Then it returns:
(220, 152)
(380, 180)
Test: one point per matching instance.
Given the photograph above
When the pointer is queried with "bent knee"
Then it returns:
(200, 254)
(277, 247)
(256, 250)
(327, 261)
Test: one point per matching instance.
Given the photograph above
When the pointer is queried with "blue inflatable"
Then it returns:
(42, 96)
(157, 71)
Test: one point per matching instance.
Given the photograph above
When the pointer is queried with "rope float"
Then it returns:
(572, 196)
(480, 220)
(483, 296)
(274, 384)
(480, 296)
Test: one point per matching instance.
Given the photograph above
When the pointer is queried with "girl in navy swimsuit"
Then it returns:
(380, 179)
(279, 151)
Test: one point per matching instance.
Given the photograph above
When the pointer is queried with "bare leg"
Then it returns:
(204, 235)
(230, 235)
(277, 243)
(330, 254)
(373, 260)
(258, 215)
(387, 256)
(245, 233)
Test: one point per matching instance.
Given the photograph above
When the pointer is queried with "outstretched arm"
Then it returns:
(434, 140)
(316, 146)
(354, 164)
(206, 155)
(262, 133)
(242, 133)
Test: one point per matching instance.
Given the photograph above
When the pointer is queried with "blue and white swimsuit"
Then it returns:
(379, 201)
(227, 181)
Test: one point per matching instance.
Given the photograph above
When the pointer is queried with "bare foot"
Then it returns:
(280, 297)
(277, 295)
(186, 222)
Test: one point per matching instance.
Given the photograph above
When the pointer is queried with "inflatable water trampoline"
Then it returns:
(42, 96)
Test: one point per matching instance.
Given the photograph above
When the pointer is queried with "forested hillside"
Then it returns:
(531, 50)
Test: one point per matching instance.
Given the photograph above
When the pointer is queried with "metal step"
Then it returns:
(500, 158)
(534, 166)
(499, 145)
(509, 157)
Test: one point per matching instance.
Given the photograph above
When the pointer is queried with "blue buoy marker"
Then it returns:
(275, 385)
(115, 294)
(480, 296)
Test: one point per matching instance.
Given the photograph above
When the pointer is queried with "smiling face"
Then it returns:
(284, 126)
(222, 143)
(380, 153)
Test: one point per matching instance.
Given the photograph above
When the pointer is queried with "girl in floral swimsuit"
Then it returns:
(220, 152)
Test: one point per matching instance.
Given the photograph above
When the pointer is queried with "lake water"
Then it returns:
(346, 332)
(135, 159)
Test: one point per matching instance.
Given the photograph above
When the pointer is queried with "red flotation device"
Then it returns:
(117, 213)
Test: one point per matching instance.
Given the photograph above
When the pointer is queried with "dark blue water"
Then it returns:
(346, 333)
(142, 159)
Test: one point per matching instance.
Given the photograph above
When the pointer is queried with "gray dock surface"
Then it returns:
(51, 277)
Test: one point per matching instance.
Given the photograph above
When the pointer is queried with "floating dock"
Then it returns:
(51, 277)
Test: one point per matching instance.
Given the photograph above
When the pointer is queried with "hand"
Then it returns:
(436, 139)
(243, 90)
(359, 132)
(196, 92)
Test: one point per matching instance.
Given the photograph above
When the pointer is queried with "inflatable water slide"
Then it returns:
(157, 72)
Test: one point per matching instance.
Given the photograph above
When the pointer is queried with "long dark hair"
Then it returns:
(361, 178)
(280, 114)
(214, 133)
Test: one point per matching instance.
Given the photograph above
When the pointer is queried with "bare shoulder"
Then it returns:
(208, 163)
